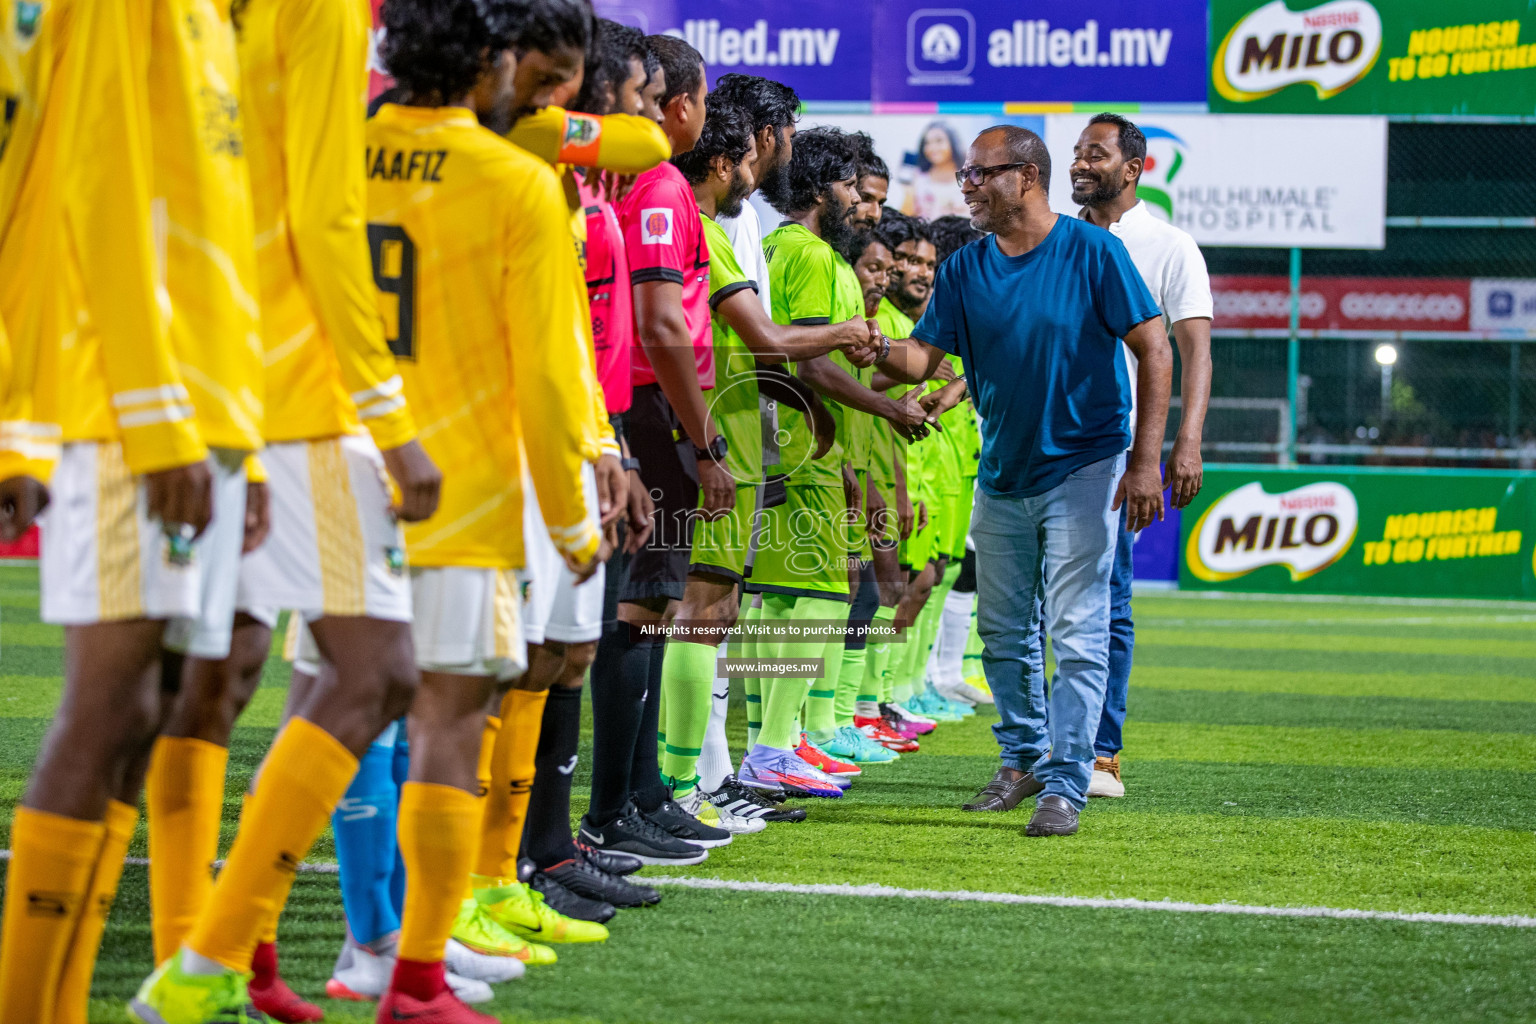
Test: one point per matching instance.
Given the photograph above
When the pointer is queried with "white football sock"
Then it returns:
(715, 759)
(954, 630)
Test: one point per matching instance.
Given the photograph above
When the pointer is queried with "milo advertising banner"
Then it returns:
(1406, 533)
(1373, 57)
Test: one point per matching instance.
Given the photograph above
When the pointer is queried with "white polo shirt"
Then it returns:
(1171, 265)
(746, 235)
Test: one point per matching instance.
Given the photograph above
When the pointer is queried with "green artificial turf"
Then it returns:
(1341, 753)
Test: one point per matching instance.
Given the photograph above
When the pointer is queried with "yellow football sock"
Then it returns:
(493, 797)
(304, 775)
(437, 842)
(184, 798)
(52, 858)
(269, 929)
(506, 808)
(483, 771)
(75, 981)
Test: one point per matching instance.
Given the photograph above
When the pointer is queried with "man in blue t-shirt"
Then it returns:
(1037, 311)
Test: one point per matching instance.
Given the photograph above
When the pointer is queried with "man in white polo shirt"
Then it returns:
(1106, 166)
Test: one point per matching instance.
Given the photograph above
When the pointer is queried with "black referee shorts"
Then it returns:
(671, 474)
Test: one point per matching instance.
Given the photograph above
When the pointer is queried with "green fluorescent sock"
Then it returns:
(913, 655)
(929, 624)
(751, 686)
(850, 684)
(740, 646)
(877, 681)
(936, 602)
(973, 645)
(928, 628)
(820, 719)
(782, 697)
(775, 608)
(687, 688)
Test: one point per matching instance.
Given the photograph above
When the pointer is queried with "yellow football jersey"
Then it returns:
(304, 64)
(91, 359)
(474, 266)
(18, 450)
(203, 218)
(621, 143)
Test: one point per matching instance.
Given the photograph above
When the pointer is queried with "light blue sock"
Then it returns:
(402, 769)
(364, 826)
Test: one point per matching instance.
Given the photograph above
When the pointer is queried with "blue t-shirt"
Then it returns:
(1040, 338)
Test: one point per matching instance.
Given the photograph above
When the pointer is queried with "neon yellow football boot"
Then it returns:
(476, 930)
(172, 996)
(522, 911)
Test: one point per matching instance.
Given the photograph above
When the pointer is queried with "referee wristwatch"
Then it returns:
(716, 450)
(630, 465)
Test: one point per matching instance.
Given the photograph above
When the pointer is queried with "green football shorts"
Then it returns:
(802, 545)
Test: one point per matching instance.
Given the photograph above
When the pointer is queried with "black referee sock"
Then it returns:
(645, 771)
(547, 834)
(619, 674)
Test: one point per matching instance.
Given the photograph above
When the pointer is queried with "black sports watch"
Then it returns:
(630, 465)
(717, 449)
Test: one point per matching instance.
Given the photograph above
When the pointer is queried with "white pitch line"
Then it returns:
(1022, 899)
(1458, 621)
(1083, 902)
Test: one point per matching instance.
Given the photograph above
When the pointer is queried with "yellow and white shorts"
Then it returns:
(105, 560)
(469, 622)
(557, 607)
(335, 547)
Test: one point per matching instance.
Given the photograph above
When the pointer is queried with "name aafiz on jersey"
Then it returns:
(400, 165)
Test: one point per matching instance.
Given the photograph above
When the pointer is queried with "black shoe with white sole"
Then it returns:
(581, 876)
(734, 798)
(681, 825)
(635, 834)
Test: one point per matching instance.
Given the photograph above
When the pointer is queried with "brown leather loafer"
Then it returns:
(1053, 816)
(1008, 788)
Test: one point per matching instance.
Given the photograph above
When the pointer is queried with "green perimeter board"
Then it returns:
(1417, 533)
(1427, 57)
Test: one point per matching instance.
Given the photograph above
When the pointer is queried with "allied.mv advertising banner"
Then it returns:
(925, 52)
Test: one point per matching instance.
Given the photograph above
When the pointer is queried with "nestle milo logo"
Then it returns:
(1330, 47)
(1305, 530)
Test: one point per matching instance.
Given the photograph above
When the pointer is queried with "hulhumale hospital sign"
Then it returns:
(906, 52)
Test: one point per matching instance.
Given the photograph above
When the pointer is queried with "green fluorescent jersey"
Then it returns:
(805, 288)
(888, 449)
(942, 462)
(855, 429)
(733, 402)
(896, 324)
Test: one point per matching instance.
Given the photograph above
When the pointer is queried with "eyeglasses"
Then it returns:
(978, 175)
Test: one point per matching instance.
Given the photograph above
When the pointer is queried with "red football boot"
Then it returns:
(813, 755)
(419, 993)
(877, 730)
(271, 995)
(443, 1008)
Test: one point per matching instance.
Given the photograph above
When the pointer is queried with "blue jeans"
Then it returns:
(1122, 638)
(1059, 545)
